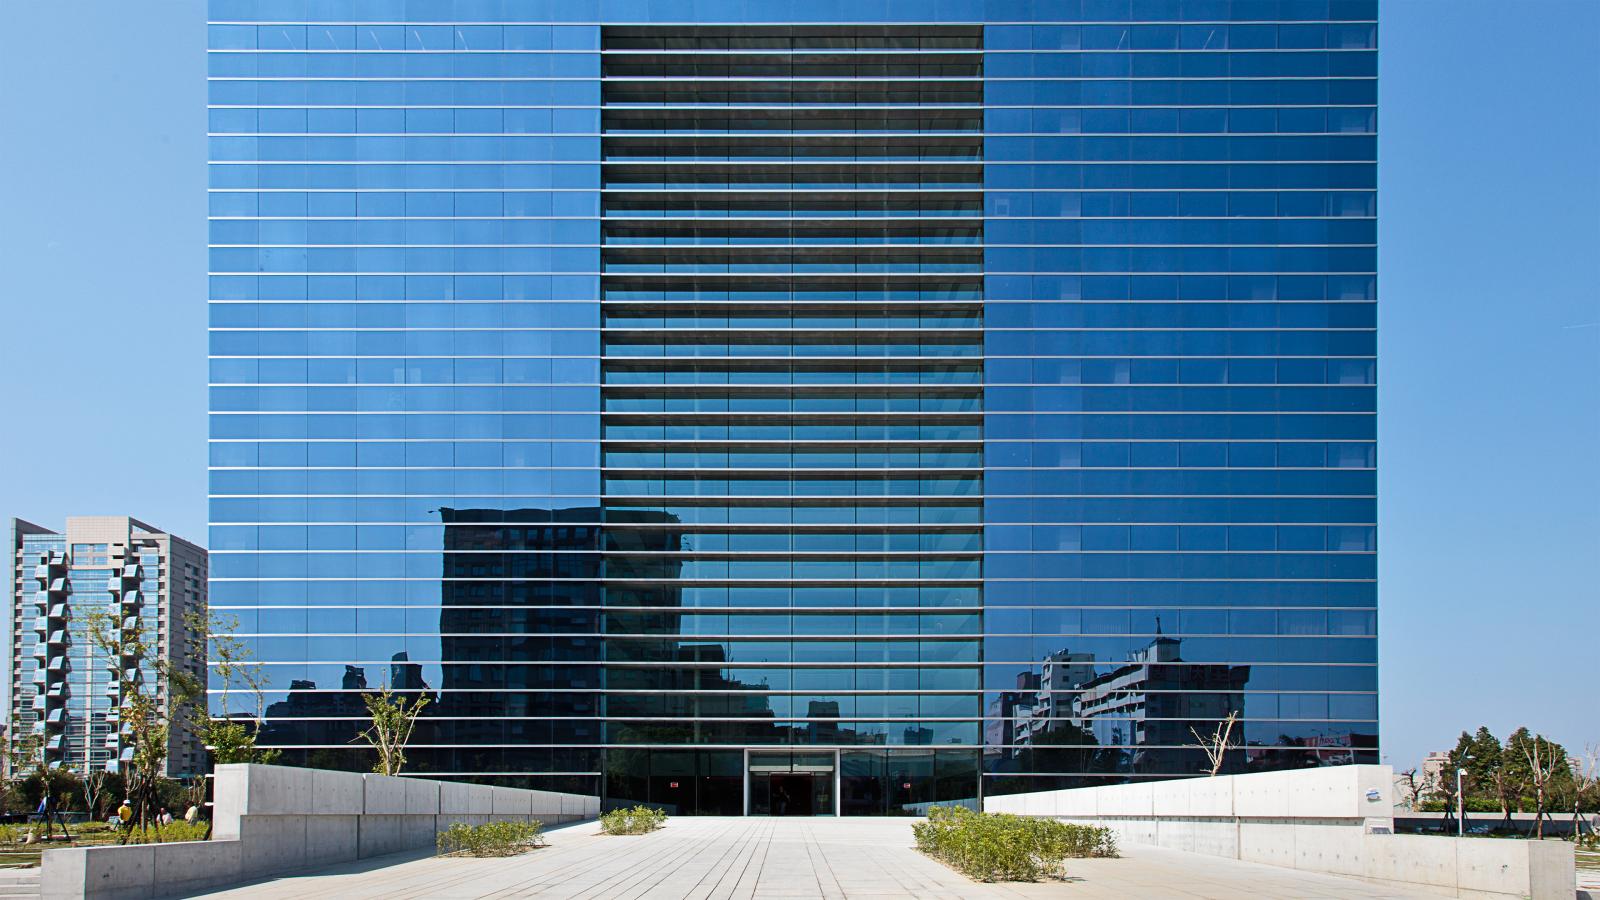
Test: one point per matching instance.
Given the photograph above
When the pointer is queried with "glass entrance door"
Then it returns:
(785, 783)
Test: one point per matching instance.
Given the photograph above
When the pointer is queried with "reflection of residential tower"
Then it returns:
(1154, 700)
(1061, 674)
(1007, 713)
(1147, 704)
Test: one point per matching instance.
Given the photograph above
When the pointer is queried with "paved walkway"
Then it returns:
(784, 859)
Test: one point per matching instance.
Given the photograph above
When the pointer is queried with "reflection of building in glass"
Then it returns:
(519, 639)
(1156, 703)
(1008, 714)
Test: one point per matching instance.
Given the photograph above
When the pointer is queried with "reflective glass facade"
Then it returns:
(857, 407)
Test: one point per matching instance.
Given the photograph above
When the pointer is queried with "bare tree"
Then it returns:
(1412, 786)
(1587, 787)
(1216, 745)
(1543, 759)
(94, 789)
(392, 723)
(1507, 782)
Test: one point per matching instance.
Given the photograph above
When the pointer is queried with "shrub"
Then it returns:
(638, 820)
(491, 839)
(1001, 847)
(179, 830)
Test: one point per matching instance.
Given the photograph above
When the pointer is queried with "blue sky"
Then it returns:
(1489, 293)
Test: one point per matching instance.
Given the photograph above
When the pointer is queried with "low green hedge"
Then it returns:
(1001, 847)
(179, 830)
(638, 820)
(491, 839)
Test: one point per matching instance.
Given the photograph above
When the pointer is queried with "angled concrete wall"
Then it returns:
(268, 820)
(1336, 820)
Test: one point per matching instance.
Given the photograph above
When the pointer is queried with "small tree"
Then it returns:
(94, 792)
(1545, 759)
(230, 740)
(1216, 745)
(1586, 789)
(147, 712)
(392, 723)
(27, 755)
(1411, 786)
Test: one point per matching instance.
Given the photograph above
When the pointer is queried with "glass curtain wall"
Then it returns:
(1179, 403)
(945, 387)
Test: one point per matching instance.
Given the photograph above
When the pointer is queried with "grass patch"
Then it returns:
(1003, 847)
(15, 853)
(638, 820)
(491, 839)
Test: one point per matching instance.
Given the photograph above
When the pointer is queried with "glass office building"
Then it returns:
(776, 407)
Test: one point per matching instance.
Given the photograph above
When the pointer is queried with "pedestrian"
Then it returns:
(165, 818)
(125, 814)
(44, 813)
(193, 815)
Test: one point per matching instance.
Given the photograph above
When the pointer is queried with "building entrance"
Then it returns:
(791, 783)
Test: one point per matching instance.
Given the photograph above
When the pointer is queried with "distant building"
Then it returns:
(63, 691)
(1432, 765)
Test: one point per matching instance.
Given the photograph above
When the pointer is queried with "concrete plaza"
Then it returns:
(709, 858)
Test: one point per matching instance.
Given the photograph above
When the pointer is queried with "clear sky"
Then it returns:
(1489, 373)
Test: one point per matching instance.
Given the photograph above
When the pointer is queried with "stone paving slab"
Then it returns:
(784, 859)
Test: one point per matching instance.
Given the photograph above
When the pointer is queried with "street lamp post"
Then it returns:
(1461, 796)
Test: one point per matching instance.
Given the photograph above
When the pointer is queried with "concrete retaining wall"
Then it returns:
(1336, 820)
(269, 820)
